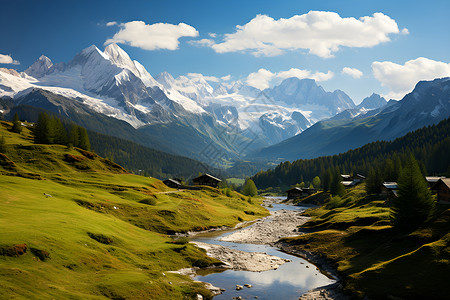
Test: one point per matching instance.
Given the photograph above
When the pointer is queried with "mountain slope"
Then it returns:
(75, 225)
(427, 104)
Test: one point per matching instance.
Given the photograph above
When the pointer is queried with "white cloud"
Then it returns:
(109, 24)
(212, 34)
(260, 79)
(353, 72)
(401, 79)
(263, 78)
(152, 37)
(320, 32)
(199, 75)
(226, 78)
(7, 59)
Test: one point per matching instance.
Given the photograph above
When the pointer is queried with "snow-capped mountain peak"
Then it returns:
(120, 58)
(165, 79)
(40, 67)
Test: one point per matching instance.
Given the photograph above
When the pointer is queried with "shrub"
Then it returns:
(101, 238)
(148, 201)
(181, 240)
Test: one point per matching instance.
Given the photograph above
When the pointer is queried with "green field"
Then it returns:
(374, 260)
(93, 231)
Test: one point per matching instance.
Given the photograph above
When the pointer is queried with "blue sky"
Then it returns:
(60, 29)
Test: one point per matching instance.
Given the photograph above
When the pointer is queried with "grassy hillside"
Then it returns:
(354, 234)
(93, 231)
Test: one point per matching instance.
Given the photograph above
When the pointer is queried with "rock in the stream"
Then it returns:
(239, 287)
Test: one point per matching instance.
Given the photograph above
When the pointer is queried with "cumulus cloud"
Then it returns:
(263, 78)
(199, 75)
(401, 79)
(109, 24)
(152, 37)
(226, 78)
(7, 59)
(320, 32)
(260, 79)
(212, 34)
(353, 72)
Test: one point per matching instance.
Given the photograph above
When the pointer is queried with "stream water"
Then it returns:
(289, 281)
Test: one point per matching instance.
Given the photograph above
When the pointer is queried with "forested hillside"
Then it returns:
(430, 145)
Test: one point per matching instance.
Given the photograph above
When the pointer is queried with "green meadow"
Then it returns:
(354, 234)
(93, 231)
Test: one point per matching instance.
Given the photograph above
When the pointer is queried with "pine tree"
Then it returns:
(2, 145)
(74, 138)
(59, 132)
(374, 181)
(84, 139)
(414, 204)
(336, 186)
(249, 188)
(42, 130)
(17, 126)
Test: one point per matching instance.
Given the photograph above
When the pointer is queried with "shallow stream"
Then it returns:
(289, 281)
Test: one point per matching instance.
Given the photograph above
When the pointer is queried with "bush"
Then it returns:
(101, 238)
(181, 241)
(148, 201)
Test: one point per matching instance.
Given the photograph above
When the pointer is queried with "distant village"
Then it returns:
(438, 185)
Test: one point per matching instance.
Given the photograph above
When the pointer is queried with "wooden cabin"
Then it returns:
(389, 189)
(431, 180)
(297, 192)
(208, 180)
(294, 193)
(442, 187)
(349, 180)
(172, 183)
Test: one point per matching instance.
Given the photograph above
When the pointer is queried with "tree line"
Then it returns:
(380, 160)
(51, 130)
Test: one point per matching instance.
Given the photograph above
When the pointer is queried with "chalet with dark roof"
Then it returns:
(432, 180)
(207, 180)
(172, 183)
(389, 189)
(442, 188)
(297, 192)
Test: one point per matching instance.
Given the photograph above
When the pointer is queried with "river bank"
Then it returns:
(263, 235)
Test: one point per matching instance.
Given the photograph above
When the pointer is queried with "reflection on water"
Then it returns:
(289, 281)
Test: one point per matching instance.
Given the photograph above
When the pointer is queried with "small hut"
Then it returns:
(442, 187)
(208, 180)
(172, 183)
(294, 193)
(389, 189)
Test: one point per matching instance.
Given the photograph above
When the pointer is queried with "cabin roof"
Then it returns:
(347, 183)
(433, 179)
(390, 185)
(295, 189)
(444, 181)
(208, 176)
(172, 180)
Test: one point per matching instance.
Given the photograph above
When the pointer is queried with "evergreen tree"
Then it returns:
(42, 129)
(249, 188)
(74, 138)
(374, 181)
(17, 126)
(316, 182)
(336, 186)
(84, 139)
(326, 180)
(414, 204)
(58, 131)
(2, 145)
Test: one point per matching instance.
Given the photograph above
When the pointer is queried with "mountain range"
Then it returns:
(427, 104)
(183, 115)
(218, 123)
